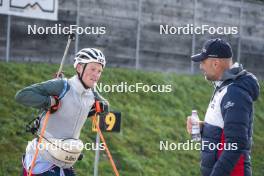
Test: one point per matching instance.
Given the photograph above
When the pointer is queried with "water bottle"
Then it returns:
(196, 135)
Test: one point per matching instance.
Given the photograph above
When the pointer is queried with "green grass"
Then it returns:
(147, 119)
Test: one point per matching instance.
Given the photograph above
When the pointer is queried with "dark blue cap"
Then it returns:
(214, 48)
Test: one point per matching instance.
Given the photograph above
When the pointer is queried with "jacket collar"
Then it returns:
(77, 85)
(235, 71)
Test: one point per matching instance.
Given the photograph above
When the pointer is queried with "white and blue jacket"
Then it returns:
(229, 120)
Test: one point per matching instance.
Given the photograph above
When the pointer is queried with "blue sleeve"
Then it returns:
(236, 108)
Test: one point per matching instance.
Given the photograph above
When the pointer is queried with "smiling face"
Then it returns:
(92, 73)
